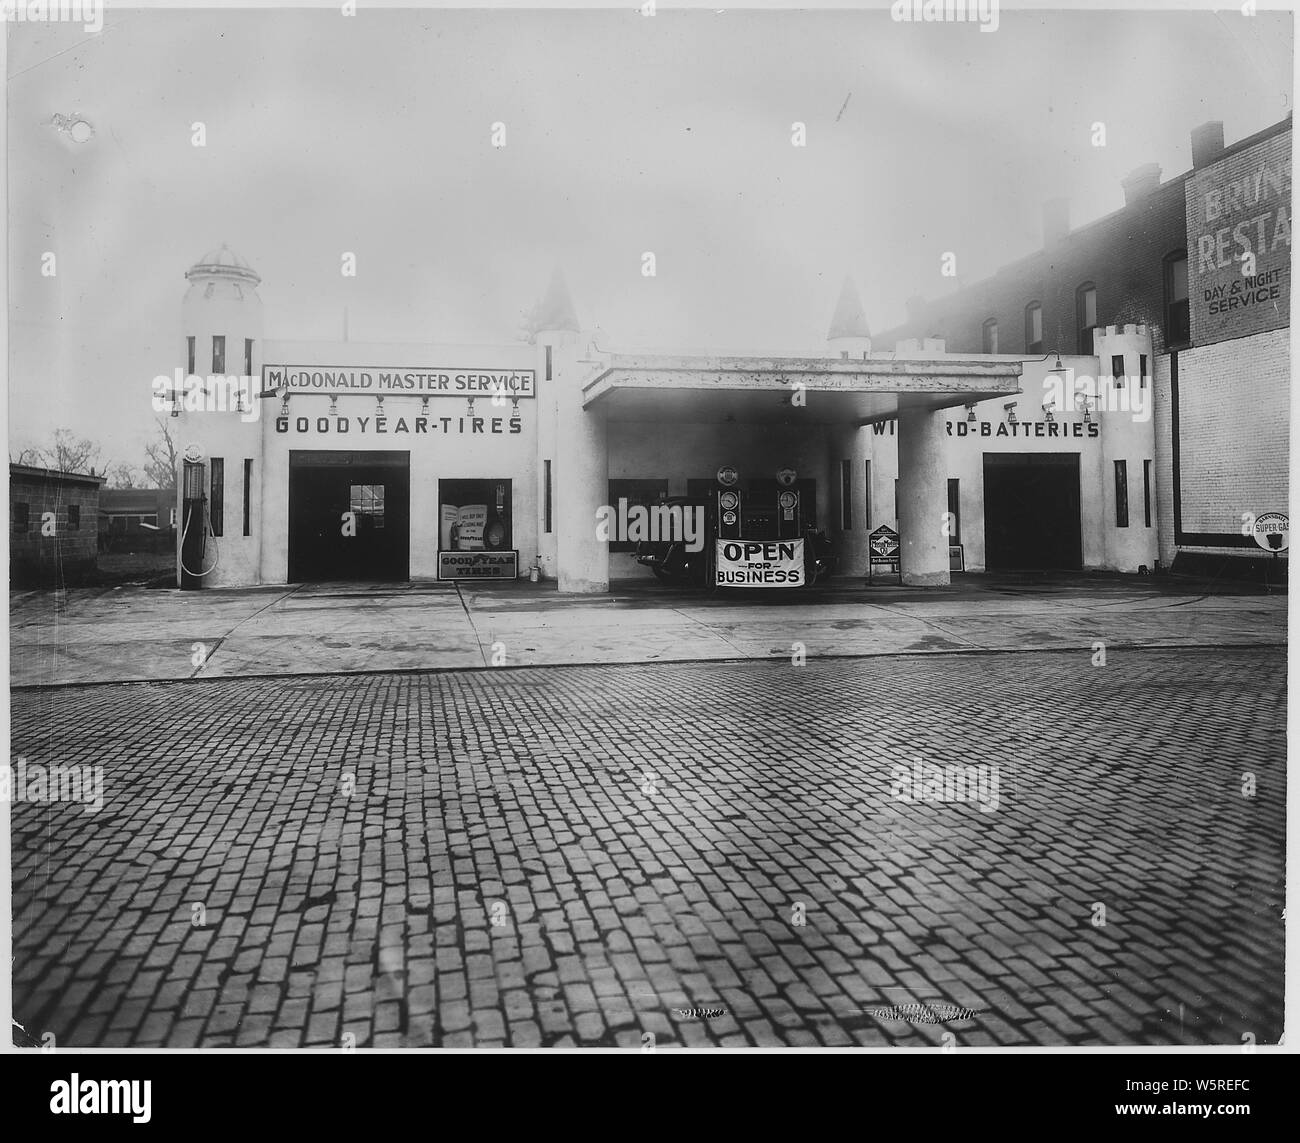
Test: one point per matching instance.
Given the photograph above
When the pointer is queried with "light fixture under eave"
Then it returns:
(424, 406)
(1010, 407)
(334, 406)
(970, 411)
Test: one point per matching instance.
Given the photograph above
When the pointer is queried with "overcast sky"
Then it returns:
(625, 134)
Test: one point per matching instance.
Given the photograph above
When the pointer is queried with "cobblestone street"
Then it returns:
(579, 855)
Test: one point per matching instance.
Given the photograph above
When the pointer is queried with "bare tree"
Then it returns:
(66, 453)
(161, 458)
(124, 475)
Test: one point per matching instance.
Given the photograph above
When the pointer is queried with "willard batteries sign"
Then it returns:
(760, 563)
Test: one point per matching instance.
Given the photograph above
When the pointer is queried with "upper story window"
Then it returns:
(248, 357)
(1178, 326)
(1085, 316)
(218, 354)
(189, 356)
(1033, 328)
(991, 336)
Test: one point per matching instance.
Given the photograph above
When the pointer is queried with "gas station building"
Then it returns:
(354, 461)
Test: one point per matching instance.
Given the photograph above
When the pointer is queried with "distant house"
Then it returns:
(53, 525)
(137, 519)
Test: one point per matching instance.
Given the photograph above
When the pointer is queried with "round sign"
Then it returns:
(728, 518)
(728, 500)
(728, 476)
(1272, 531)
(786, 477)
(193, 453)
(786, 499)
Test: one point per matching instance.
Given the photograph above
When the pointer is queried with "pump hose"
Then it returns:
(185, 531)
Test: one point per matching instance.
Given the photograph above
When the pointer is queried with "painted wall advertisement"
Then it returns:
(1239, 243)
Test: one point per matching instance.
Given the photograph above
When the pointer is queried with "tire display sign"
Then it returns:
(1272, 531)
(478, 565)
(759, 563)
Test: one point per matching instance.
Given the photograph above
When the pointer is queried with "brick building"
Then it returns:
(1217, 323)
(137, 519)
(54, 525)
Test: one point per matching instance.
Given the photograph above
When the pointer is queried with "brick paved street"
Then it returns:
(648, 838)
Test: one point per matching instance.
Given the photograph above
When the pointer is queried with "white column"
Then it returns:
(581, 486)
(922, 498)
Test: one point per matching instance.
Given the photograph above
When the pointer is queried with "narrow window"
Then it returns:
(217, 503)
(1146, 492)
(248, 494)
(954, 509)
(74, 517)
(218, 354)
(846, 494)
(189, 355)
(896, 519)
(248, 357)
(1178, 328)
(991, 336)
(1121, 494)
(1034, 328)
(548, 363)
(866, 497)
(1117, 369)
(1142, 371)
(547, 496)
(1085, 315)
(21, 517)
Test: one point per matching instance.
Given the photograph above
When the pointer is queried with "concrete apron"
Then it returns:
(134, 634)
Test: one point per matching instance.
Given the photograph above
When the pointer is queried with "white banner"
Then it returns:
(760, 563)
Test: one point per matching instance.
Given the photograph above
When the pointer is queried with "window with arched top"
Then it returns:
(1085, 316)
(991, 335)
(1178, 324)
(1034, 328)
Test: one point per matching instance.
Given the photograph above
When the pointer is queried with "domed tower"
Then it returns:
(849, 336)
(216, 423)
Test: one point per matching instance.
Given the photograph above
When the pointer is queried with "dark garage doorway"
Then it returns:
(376, 488)
(1031, 512)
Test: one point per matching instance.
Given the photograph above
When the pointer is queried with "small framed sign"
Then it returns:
(883, 558)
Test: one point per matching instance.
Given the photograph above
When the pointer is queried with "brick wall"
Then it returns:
(1122, 254)
(69, 553)
(1233, 414)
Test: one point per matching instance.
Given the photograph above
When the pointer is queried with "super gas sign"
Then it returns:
(1236, 208)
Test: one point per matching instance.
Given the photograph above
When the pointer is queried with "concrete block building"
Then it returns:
(53, 529)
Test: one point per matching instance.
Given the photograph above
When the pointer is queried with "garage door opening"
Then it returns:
(349, 516)
(1031, 512)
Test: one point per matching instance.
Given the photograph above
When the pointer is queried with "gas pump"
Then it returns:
(789, 518)
(194, 524)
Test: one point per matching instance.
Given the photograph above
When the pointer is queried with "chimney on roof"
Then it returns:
(1140, 182)
(1207, 143)
(1056, 220)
